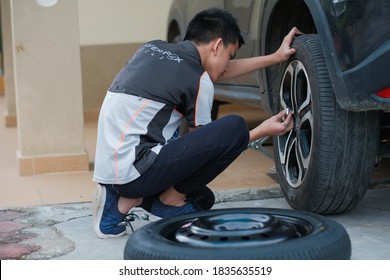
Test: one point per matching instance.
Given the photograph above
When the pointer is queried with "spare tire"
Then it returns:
(246, 233)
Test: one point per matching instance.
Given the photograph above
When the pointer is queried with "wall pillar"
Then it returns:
(48, 90)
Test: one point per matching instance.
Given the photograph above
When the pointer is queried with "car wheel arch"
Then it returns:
(173, 31)
(278, 19)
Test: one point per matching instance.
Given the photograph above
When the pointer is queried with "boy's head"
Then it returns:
(211, 24)
(217, 36)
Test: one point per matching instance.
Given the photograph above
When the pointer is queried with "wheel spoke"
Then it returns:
(293, 169)
(302, 90)
(285, 144)
(286, 96)
(305, 139)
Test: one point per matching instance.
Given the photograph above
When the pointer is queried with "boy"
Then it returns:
(138, 161)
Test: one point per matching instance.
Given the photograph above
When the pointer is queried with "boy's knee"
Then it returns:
(238, 125)
(237, 121)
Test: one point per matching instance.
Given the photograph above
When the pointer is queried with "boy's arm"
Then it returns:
(239, 67)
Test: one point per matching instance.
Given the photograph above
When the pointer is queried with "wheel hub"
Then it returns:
(230, 230)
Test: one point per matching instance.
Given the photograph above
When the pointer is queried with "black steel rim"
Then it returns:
(236, 229)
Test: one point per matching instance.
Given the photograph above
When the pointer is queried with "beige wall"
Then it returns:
(110, 32)
(108, 22)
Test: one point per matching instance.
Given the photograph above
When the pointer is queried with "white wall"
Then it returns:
(122, 21)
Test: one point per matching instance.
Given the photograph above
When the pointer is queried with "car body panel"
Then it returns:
(358, 62)
(362, 67)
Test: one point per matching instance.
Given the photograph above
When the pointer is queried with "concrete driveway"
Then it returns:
(65, 231)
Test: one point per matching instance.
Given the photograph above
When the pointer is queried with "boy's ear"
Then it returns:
(217, 44)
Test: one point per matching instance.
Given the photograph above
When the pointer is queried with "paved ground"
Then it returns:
(65, 231)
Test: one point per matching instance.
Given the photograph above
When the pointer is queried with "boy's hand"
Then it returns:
(279, 124)
(285, 51)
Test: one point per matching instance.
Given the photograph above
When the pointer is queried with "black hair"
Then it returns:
(214, 23)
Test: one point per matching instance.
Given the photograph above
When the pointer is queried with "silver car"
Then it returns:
(337, 86)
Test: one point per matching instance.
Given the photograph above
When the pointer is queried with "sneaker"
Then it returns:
(107, 220)
(165, 211)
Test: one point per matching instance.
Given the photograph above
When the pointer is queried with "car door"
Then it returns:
(242, 10)
(194, 7)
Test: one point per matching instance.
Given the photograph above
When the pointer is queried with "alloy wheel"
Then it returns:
(295, 147)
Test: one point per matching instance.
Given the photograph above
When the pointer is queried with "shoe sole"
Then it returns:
(99, 199)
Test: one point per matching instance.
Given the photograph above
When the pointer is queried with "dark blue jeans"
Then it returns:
(192, 161)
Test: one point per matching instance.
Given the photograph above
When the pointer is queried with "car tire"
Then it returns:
(246, 233)
(325, 163)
